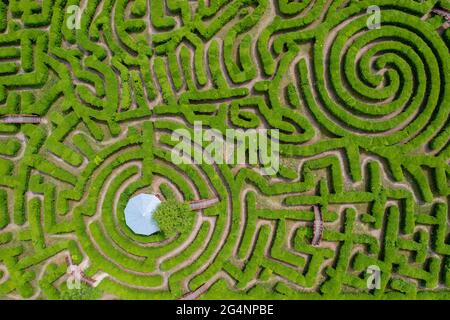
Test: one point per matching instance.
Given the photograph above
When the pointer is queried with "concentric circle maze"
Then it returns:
(92, 92)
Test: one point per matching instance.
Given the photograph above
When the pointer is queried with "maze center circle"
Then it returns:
(310, 140)
(128, 258)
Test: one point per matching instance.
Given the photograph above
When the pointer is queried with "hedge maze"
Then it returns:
(363, 117)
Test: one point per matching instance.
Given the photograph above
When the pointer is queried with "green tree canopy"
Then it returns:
(173, 217)
(85, 292)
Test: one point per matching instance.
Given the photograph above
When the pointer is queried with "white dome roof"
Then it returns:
(139, 214)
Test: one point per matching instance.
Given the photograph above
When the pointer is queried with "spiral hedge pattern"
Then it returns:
(363, 117)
